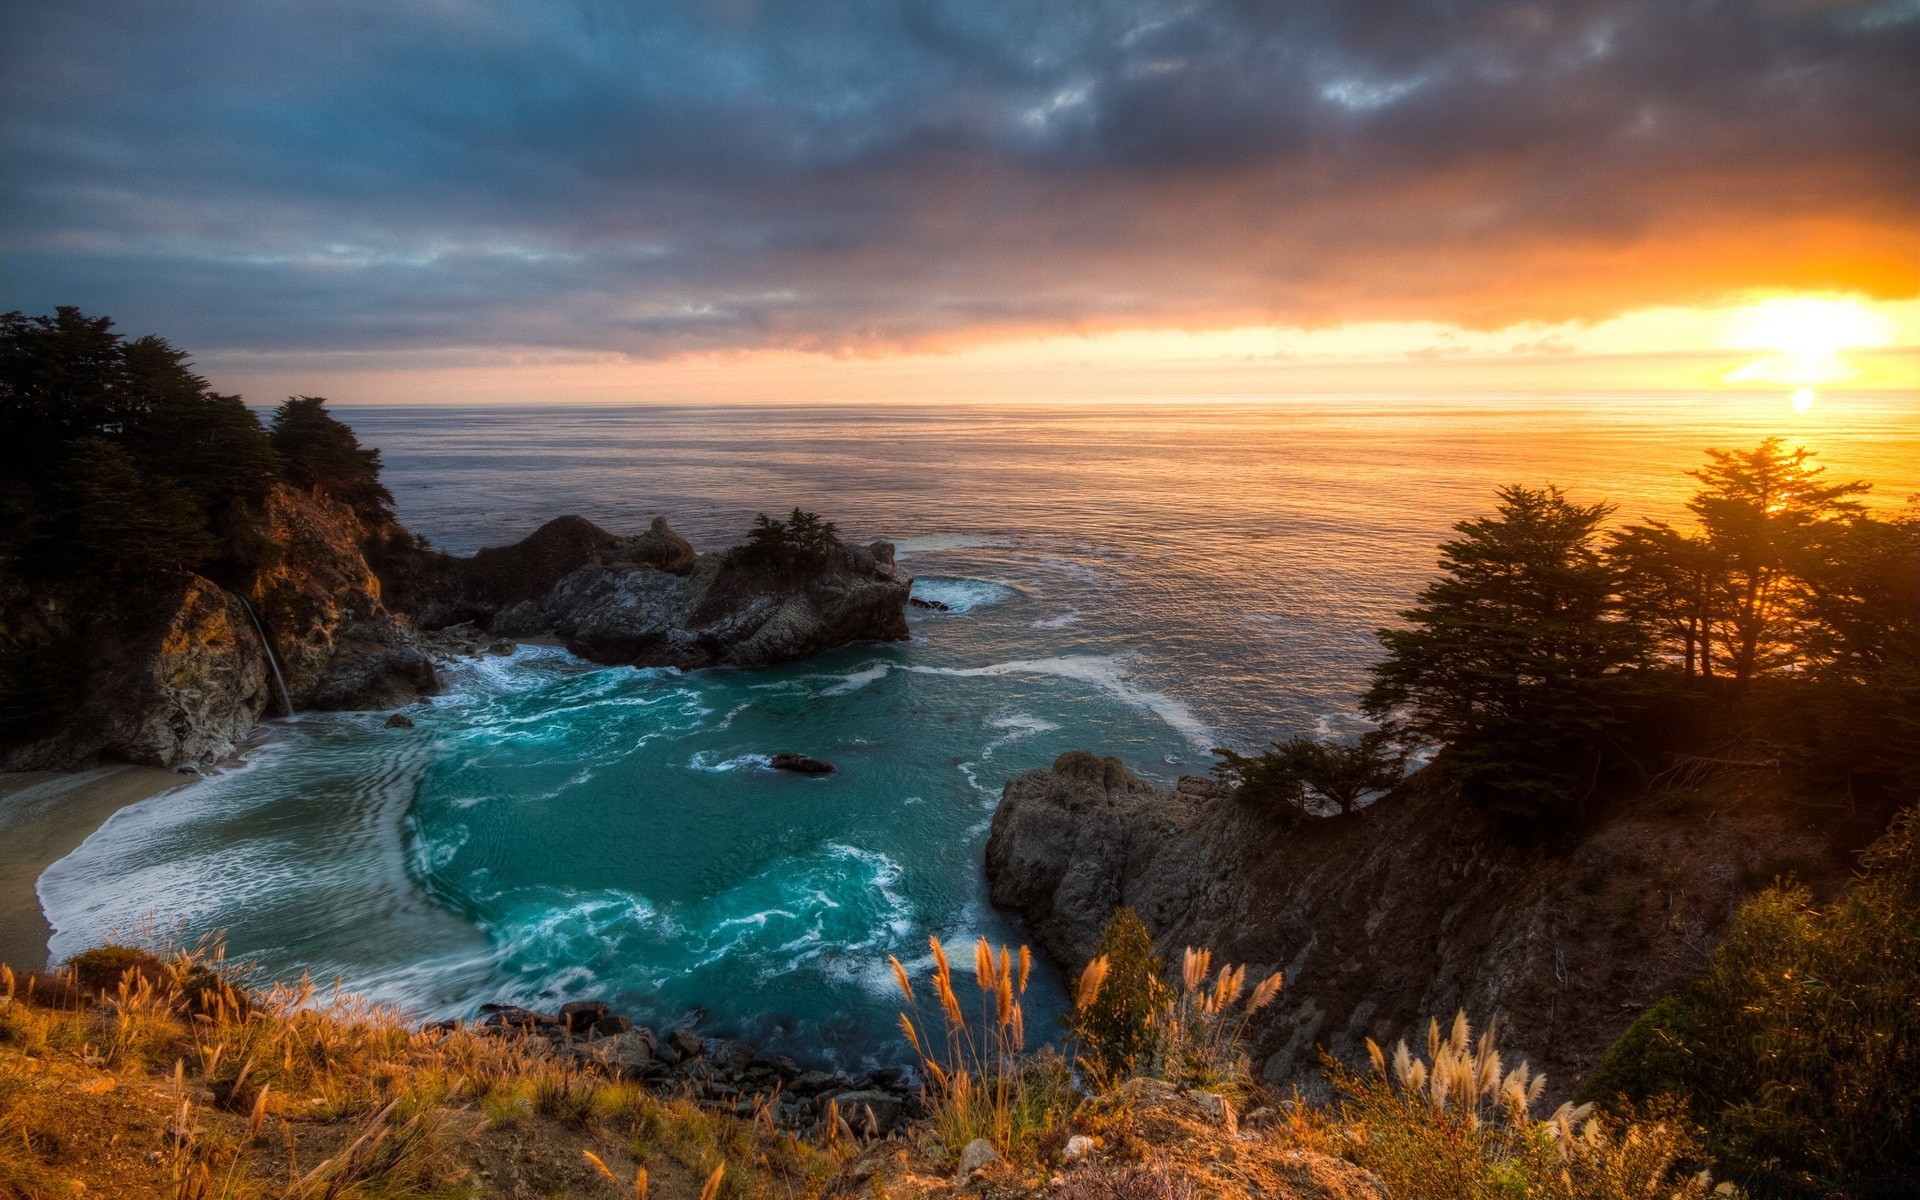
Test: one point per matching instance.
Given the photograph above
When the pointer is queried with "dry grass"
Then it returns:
(206, 1089)
(1456, 1124)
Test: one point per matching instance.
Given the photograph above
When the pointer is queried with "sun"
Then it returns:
(1803, 337)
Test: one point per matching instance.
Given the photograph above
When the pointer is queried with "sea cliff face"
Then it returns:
(1413, 907)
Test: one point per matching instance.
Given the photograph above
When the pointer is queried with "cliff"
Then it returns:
(1410, 908)
(173, 671)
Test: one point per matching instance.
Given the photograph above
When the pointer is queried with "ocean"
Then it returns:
(1144, 580)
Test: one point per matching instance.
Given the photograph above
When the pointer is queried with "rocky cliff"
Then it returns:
(650, 601)
(1412, 907)
(175, 672)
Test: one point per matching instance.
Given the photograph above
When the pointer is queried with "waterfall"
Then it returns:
(279, 681)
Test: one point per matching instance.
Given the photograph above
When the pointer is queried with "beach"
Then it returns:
(43, 816)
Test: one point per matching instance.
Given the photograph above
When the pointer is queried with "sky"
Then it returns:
(385, 200)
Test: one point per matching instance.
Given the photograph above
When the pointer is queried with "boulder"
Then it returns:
(685, 1044)
(929, 605)
(579, 1016)
(399, 721)
(512, 1016)
(363, 675)
(872, 1113)
(721, 612)
(978, 1155)
(800, 764)
(634, 1052)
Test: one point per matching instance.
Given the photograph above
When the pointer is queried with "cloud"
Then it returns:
(652, 179)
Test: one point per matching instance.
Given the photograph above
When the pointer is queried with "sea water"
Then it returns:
(1148, 581)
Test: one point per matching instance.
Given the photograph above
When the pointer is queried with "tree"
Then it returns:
(802, 540)
(1759, 510)
(1673, 587)
(323, 455)
(1516, 661)
(125, 523)
(1117, 1028)
(1337, 773)
(71, 387)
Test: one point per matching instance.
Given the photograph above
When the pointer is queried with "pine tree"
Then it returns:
(1760, 509)
(1516, 660)
(322, 455)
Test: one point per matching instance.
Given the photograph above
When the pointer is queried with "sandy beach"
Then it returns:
(43, 816)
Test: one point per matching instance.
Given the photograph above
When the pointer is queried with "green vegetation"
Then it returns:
(119, 460)
(1115, 1030)
(1456, 1124)
(1554, 661)
(1799, 1049)
(323, 456)
(803, 540)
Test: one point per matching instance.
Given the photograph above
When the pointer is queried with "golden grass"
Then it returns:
(294, 1091)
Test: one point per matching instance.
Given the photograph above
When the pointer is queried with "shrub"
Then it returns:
(1799, 1049)
(1116, 1029)
(981, 1082)
(1336, 774)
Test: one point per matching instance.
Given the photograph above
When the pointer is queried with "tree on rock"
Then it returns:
(323, 455)
(1338, 774)
(1516, 661)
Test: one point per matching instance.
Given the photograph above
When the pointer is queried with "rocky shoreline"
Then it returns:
(724, 1075)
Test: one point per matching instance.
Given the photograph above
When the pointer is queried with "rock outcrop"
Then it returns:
(174, 671)
(1412, 907)
(649, 601)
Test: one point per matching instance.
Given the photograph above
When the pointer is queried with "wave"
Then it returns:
(1070, 617)
(704, 761)
(1105, 672)
(960, 595)
(1015, 728)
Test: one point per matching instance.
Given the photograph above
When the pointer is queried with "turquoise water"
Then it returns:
(1145, 581)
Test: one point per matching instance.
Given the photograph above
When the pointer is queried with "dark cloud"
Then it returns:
(652, 178)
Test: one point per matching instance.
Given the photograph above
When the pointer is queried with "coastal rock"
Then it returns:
(365, 674)
(800, 764)
(978, 1155)
(579, 1016)
(399, 721)
(166, 673)
(720, 613)
(659, 547)
(316, 592)
(684, 1043)
(872, 1113)
(1414, 907)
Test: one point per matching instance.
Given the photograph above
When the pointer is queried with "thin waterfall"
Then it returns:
(279, 681)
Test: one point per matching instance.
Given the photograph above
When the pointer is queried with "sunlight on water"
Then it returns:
(1148, 581)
